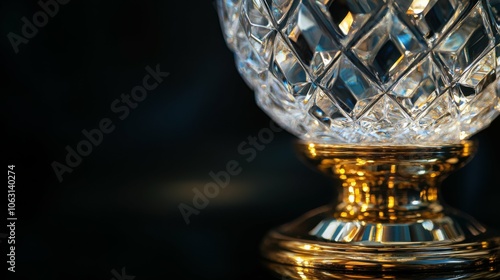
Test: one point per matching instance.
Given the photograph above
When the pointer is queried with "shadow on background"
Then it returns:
(118, 208)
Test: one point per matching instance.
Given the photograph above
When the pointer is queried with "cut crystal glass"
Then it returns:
(370, 71)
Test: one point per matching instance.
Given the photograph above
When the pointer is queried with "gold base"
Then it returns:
(388, 217)
(298, 272)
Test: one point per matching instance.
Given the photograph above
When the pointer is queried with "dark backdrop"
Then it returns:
(119, 207)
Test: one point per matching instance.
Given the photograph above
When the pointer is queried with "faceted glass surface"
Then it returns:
(368, 71)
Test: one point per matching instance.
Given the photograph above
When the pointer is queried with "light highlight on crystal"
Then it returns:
(369, 71)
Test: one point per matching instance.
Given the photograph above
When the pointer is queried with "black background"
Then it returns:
(119, 207)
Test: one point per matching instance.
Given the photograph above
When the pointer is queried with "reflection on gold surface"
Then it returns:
(297, 272)
(388, 183)
(312, 150)
(379, 233)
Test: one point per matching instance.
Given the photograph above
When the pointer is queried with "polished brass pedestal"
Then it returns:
(388, 217)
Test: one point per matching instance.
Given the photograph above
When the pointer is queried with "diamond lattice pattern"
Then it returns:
(370, 71)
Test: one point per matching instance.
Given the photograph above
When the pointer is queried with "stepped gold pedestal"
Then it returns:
(388, 217)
